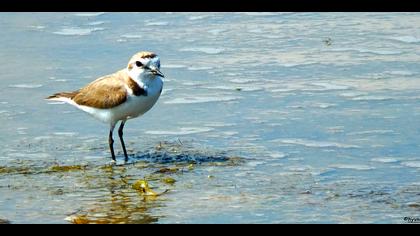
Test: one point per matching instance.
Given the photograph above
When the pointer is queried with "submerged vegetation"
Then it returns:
(145, 182)
(58, 168)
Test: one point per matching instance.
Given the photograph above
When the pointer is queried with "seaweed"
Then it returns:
(168, 170)
(14, 170)
(168, 180)
(142, 186)
(58, 168)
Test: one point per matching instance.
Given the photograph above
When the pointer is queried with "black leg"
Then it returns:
(111, 142)
(120, 133)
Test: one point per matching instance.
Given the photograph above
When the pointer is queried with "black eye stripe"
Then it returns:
(138, 64)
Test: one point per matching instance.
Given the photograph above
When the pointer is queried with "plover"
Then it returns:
(123, 95)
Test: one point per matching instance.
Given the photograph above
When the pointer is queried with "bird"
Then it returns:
(120, 96)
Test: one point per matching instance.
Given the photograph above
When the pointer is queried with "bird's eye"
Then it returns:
(138, 64)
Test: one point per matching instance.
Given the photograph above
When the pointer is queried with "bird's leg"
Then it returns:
(120, 133)
(111, 141)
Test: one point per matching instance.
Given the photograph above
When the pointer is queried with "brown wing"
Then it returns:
(106, 92)
(63, 94)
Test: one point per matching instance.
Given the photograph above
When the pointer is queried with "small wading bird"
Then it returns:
(120, 96)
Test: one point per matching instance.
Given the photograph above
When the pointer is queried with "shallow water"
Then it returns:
(264, 118)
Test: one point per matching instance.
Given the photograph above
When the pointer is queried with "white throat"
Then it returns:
(142, 80)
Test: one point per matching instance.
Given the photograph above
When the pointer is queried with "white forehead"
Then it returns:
(153, 61)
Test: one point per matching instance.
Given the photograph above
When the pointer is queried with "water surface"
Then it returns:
(264, 118)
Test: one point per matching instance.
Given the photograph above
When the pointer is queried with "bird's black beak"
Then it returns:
(156, 71)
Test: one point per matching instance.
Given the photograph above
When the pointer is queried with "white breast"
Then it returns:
(138, 105)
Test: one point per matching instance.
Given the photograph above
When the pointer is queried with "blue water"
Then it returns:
(321, 109)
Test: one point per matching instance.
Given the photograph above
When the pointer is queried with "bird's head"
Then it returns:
(144, 65)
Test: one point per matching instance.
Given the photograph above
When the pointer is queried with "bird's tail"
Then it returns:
(62, 96)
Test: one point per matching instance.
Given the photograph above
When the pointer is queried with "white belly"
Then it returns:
(135, 106)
